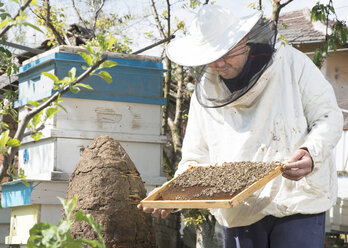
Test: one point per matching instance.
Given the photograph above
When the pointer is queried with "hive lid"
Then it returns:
(77, 49)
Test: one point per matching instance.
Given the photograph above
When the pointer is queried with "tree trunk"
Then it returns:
(205, 233)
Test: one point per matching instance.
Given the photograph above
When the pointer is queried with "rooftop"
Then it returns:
(297, 27)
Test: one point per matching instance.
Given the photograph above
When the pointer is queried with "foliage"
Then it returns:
(45, 235)
(195, 216)
(6, 61)
(104, 25)
(56, 17)
(114, 44)
(342, 173)
(6, 141)
(338, 36)
(7, 20)
(38, 121)
(110, 25)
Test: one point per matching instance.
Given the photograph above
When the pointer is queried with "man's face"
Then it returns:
(231, 64)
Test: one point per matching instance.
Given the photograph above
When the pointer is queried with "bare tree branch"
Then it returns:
(179, 97)
(168, 18)
(158, 23)
(286, 3)
(47, 19)
(175, 125)
(96, 15)
(78, 14)
(22, 8)
(277, 6)
(41, 127)
(10, 154)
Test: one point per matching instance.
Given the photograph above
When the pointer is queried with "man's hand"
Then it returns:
(157, 212)
(299, 165)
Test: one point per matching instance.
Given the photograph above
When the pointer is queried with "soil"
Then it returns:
(217, 182)
(109, 187)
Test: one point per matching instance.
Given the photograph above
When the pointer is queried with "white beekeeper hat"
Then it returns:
(213, 32)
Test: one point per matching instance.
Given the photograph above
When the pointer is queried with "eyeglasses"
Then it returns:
(236, 51)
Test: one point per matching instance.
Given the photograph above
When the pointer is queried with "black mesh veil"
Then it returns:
(211, 90)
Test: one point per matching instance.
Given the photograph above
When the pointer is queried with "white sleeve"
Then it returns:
(194, 149)
(324, 117)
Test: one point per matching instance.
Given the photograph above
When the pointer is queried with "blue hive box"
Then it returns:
(135, 79)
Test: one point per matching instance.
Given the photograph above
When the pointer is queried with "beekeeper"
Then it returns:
(255, 100)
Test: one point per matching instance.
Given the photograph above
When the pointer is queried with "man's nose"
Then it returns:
(220, 63)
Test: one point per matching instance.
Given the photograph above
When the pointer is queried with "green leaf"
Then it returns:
(25, 183)
(9, 71)
(37, 228)
(344, 35)
(14, 142)
(34, 103)
(101, 41)
(87, 57)
(37, 238)
(36, 119)
(29, 125)
(68, 205)
(32, 26)
(72, 73)
(49, 236)
(108, 63)
(6, 51)
(74, 89)
(3, 16)
(4, 23)
(93, 243)
(36, 136)
(3, 125)
(64, 227)
(87, 86)
(80, 216)
(89, 48)
(65, 80)
(4, 138)
(105, 75)
(51, 76)
(51, 111)
(62, 107)
(34, 2)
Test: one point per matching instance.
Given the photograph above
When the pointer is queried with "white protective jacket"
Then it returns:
(291, 106)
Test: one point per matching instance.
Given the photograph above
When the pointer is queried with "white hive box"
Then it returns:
(340, 216)
(129, 110)
(339, 212)
(5, 216)
(30, 205)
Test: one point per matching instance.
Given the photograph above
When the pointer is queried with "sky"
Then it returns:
(141, 7)
(238, 7)
(341, 6)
